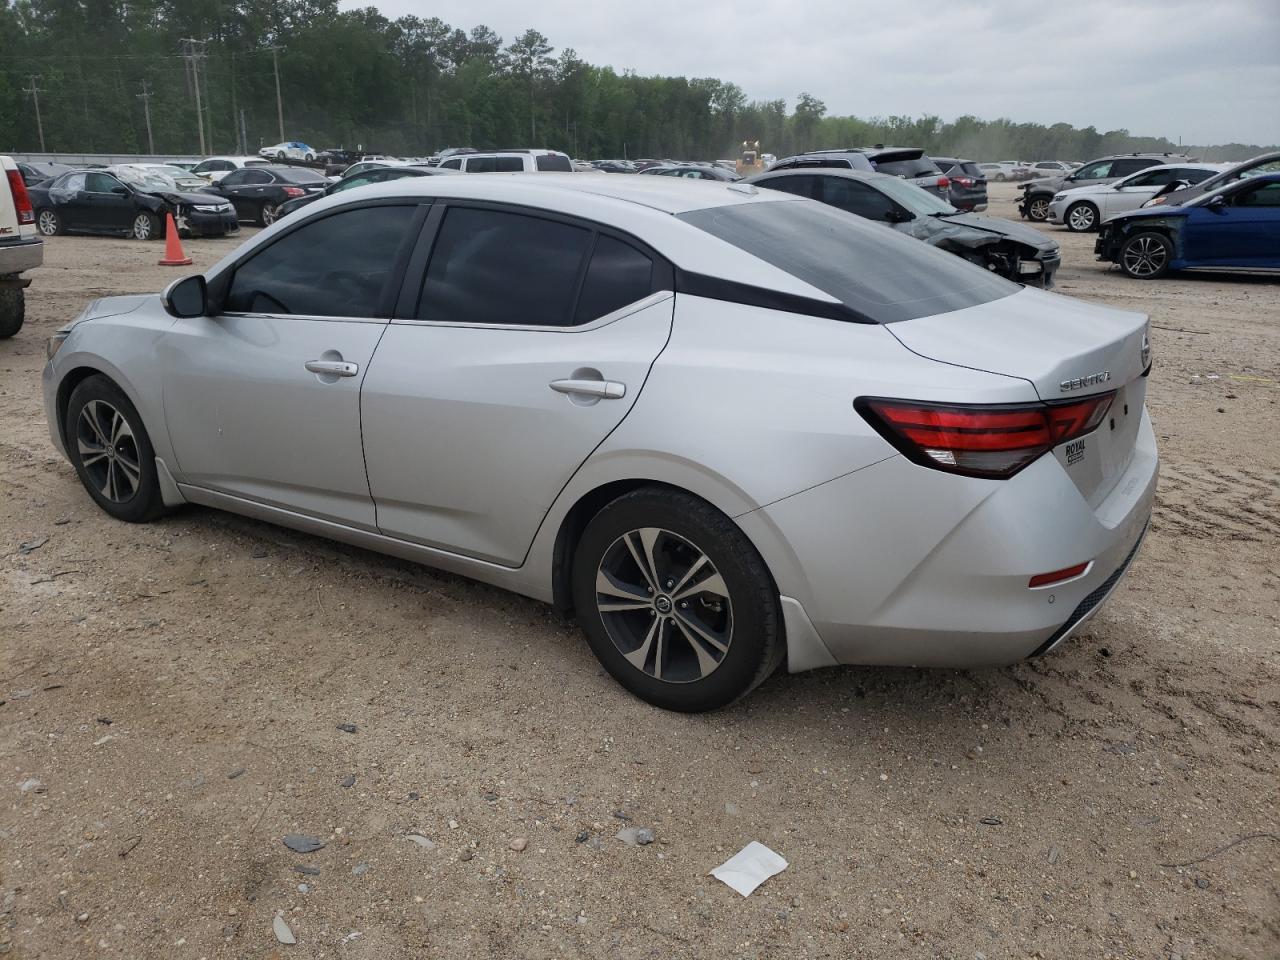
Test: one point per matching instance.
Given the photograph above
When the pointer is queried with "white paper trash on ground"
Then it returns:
(749, 867)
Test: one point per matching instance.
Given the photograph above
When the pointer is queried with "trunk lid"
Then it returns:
(1068, 350)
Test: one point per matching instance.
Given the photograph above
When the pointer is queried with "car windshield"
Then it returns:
(920, 202)
(875, 272)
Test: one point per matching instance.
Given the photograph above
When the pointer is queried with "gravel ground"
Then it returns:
(171, 695)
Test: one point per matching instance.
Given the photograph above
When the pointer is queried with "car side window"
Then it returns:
(1194, 176)
(1263, 195)
(100, 183)
(71, 183)
(453, 163)
(803, 186)
(481, 164)
(234, 178)
(856, 198)
(491, 266)
(1127, 165)
(618, 274)
(1094, 171)
(335, 266)
(508, 164)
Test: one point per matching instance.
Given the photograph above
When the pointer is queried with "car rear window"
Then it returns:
(875, 272)
(553, 163)
(972, 170)
(301, 176)
(920, 167)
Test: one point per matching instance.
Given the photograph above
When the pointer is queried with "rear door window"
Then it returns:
(481, 164)
(494, 266)
(553, 163)
(334, 266)
(508, 164)
(1127, 165)
(856, 198)
(618, 274)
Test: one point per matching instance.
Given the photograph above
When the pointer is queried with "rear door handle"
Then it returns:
(336, 368)
(600, 389)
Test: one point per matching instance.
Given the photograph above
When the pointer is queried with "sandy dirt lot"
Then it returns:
(176, 690)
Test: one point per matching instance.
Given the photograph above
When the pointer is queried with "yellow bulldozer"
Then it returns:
(749, 161)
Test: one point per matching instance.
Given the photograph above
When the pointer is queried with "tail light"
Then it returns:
(943, 183)
(981, 441)
(21, 199)
(964, 181)
(294, 192)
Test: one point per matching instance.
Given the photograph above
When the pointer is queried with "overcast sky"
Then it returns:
(1207, 71)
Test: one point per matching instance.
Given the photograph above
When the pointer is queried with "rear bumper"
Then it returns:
(937, 573)
(24, 253)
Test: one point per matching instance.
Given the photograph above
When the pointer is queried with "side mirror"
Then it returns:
(898, 215)
(1218, 204)
(186, 297)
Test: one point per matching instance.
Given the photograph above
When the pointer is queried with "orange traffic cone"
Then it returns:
(173, 254)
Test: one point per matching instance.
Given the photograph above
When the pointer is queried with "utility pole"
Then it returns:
(145, 96)
(34, 92)
(193, 53)
(275, 66)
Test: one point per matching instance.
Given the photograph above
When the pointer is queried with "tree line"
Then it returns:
(101, 69)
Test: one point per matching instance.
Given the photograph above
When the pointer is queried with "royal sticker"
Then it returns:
(1075, 452)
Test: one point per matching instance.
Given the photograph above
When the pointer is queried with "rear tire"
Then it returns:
(708, 633)
(13, 308)
(1081, 217)
(112, 454)
(1146, 256)
(268, 213)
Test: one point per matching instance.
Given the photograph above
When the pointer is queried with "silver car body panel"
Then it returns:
(876, 559)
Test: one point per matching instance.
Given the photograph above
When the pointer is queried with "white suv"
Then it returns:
(20, 248)
(510, 161)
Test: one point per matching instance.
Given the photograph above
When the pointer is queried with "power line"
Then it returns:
(34, 92)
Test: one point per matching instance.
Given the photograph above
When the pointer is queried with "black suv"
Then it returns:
(1037, 194)
(968, 183)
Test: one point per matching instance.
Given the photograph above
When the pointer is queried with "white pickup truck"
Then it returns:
(20, 247)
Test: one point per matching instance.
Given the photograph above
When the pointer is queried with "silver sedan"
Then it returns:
(727, 428)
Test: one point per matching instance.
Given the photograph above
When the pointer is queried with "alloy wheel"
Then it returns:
(1038, 209)
(48, 223)
(142, 227)
(1082, 217)
(1144, 257)
(270, 213)
(664, 605)
(108, 451)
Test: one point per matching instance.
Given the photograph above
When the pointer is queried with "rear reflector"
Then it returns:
(980, 441)
(1057, 576)
(21, 200)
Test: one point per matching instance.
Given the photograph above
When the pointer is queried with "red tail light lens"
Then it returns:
(964, 181)
(943, 182)
(294, 191)
(981, 441)
(21, 200)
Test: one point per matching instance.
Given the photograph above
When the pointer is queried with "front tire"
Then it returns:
(675, 602)
(13, 309)
(1038, 209)
(49, 223)
(1081, 217)
(310, 158)
(111, 451)
(1146, 256)
(146, 226)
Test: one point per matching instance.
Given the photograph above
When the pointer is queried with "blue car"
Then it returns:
(1234, 228)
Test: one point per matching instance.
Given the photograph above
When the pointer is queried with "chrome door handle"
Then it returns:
(600, 389)
(336, 368)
